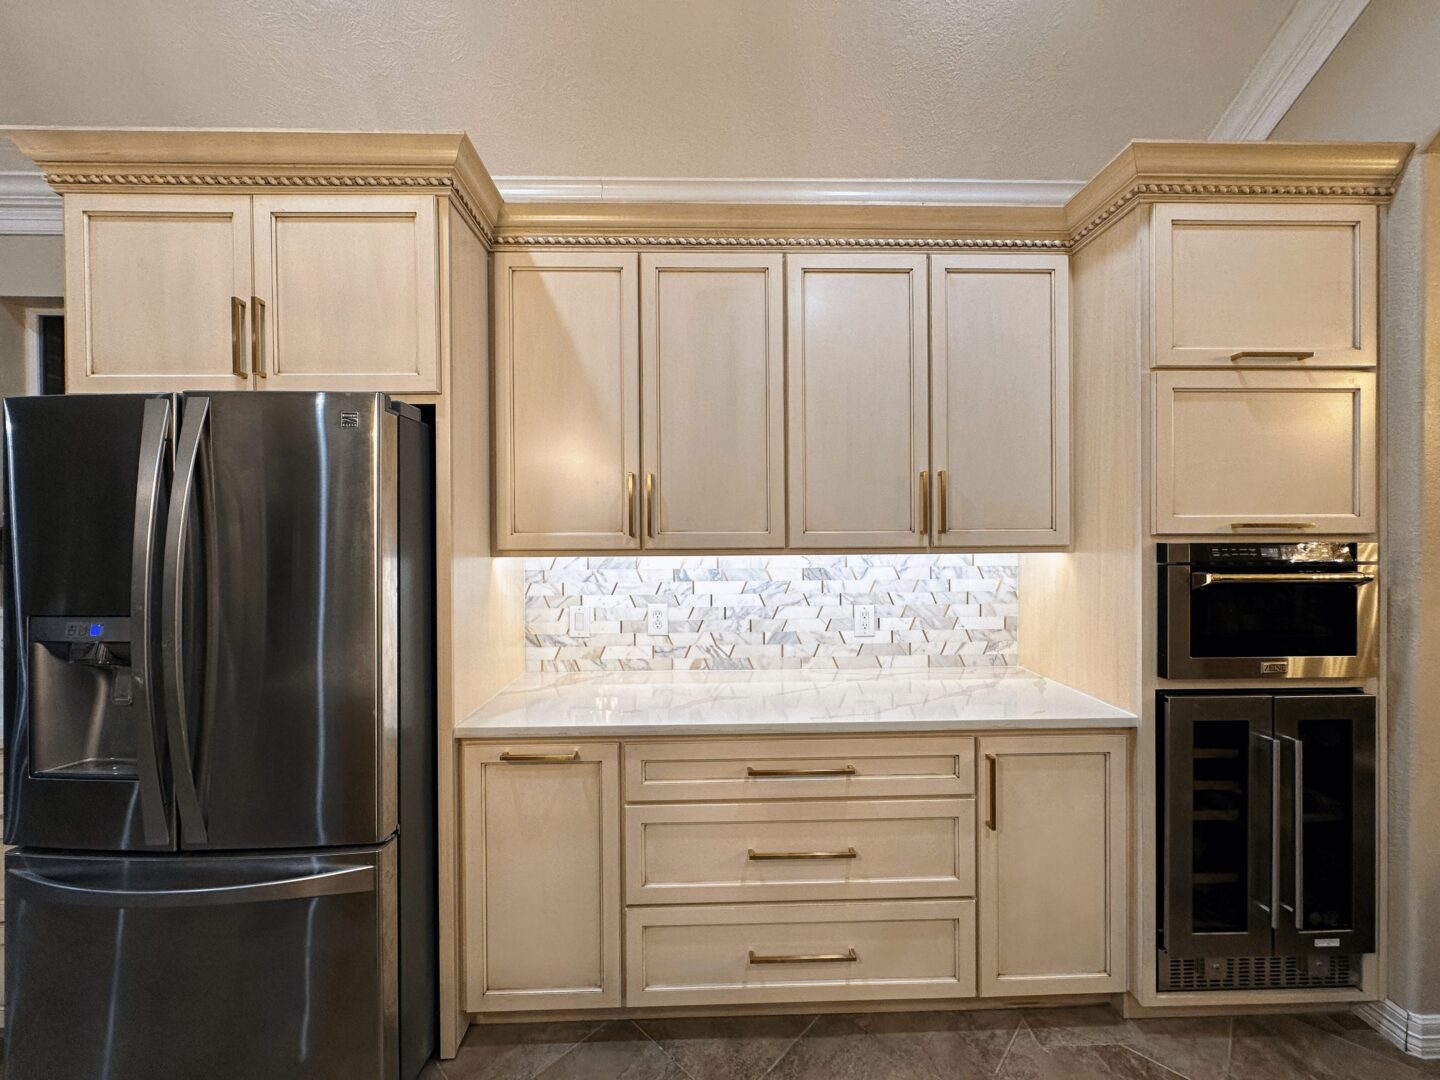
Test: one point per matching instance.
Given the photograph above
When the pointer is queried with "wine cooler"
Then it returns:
(1267, 840)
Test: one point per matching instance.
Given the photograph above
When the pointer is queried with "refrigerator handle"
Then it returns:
(154, 432)
(349, 879)
(172, 628)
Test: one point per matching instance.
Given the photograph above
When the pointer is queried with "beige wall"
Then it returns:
(32, 266)
(1383, 82)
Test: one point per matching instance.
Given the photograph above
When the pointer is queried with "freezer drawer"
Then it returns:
(176, 967)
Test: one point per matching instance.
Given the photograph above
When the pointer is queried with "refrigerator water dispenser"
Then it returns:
(82, 695)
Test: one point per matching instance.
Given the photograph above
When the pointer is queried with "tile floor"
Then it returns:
(1033, 1044)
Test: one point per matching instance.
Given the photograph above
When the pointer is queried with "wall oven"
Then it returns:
(1302, 610)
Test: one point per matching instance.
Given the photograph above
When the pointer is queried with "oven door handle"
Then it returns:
(1204, 580)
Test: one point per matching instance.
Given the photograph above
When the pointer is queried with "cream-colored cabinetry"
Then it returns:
(1052, 888)
(713, 389)
(857, 366)
(1257, 284)
(226, 292)
(999, 400)
(541, 876)
(1264, 451)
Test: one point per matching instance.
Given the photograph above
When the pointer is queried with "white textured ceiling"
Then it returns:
(992, 89)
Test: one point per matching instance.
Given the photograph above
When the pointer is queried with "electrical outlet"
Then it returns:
(864, 620)
(657, 619)
(579, 620)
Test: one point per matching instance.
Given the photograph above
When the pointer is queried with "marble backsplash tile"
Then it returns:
(773, 611)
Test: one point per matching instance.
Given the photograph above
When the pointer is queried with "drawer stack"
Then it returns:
(789, 870)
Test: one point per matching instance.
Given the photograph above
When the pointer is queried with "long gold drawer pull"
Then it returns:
(540, 759)
(1264, 355)
(257, 337)
(771, 856)
(992, 816)
(1274, 526)
(849, 956)
(770, 774)
(237, 338)
(650, 505)
(924, 503)
(630, 504)
(1200, 581)
(944, 526)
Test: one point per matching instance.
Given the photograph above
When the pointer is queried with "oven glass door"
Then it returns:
(1241, 615)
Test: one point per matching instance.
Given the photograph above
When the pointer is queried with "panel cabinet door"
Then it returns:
(348, 290)
(156, 290)
(1052, 890)
(541, 876)
(567, 401)
(713, 383)
(1264, 451)
(1265, 285)
(856, 357)
(1000, 400)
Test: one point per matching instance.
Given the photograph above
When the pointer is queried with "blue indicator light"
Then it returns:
(96, 629)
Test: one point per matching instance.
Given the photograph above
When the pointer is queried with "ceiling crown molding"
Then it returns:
(27, 206)
(780, 191)
(1303, 42)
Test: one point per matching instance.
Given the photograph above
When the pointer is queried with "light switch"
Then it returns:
(864, 620)
(579, 620)
(657, 619)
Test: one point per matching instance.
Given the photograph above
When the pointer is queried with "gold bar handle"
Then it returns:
(849, 956)
(650, 505)
(257, 336)
(992, 815)
(924, 502)
(540, 759)
(1273, 526)
(1200, 581)
(1262, 354)
(842, 770)
(775, 856)
(237, 338)
(944, 505)
(630, 504)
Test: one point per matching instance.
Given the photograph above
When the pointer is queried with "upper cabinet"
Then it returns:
(999, 400)
(567, 416)
(1265, 284)
(713, 391)
(859, 401)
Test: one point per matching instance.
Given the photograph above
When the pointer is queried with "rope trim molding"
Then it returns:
(592, 240)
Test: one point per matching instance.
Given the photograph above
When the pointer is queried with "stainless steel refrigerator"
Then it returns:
(219, 737)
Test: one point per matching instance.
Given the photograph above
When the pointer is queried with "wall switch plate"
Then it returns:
(864, 620)
(579, 621)
(657, 619)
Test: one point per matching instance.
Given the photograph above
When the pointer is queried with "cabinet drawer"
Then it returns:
(798, 768)
(828, 850)
(761, 953)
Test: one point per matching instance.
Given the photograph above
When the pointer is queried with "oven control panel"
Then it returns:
(1324, 552)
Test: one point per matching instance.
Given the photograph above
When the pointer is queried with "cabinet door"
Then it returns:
(541, 869)
(713, 384)
(1000, 400)
(1265, 285)
(349, 293)
(567, 401)
(859, 399)
(156, 291)
(1264, 451)
(1052, 893)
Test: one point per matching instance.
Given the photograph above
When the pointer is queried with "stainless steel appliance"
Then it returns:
(219, 733)
(1302, 610)
(1268, 839)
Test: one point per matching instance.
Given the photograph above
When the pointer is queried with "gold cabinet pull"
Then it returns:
(257, 336)
(1273, 526)
(944, 507)
(1262, 354)
(237, 338)
(650, 505)
(777, 856)
(540, 759)
(924, 502)
(630, 504)
(764, 774)
(849, 956)
(992, 815)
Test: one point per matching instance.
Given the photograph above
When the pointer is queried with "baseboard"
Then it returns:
(1418, 1034)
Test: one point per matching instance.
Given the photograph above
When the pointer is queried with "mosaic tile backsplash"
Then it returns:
(773, 611)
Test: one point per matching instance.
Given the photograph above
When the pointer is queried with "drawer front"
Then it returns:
(825, 850)
(762, 953)
(728, 769)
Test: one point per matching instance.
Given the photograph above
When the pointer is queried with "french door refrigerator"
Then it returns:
(219, 736)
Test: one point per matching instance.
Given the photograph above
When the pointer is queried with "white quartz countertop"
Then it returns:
(574, 705)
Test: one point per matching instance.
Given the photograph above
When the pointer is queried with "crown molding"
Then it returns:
(1301, 45)
(28, 206)
(914, 192)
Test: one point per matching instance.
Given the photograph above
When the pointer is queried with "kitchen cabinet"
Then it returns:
(713, 389)
(567, 382)
(228, 292)
(1264, 451)
(999, 400)
(1052, 889)
(857, 365)
(1265, 284)
(541, 876)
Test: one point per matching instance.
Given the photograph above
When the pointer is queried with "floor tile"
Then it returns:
(1197, 1048)
(837, 1048)
(1028, 1060)
(729, 1048)
(1298, 1048)
(617, 1051)
(514, 1051)
(952, 1045)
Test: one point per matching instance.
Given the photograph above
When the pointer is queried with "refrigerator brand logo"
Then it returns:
(350, 419)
